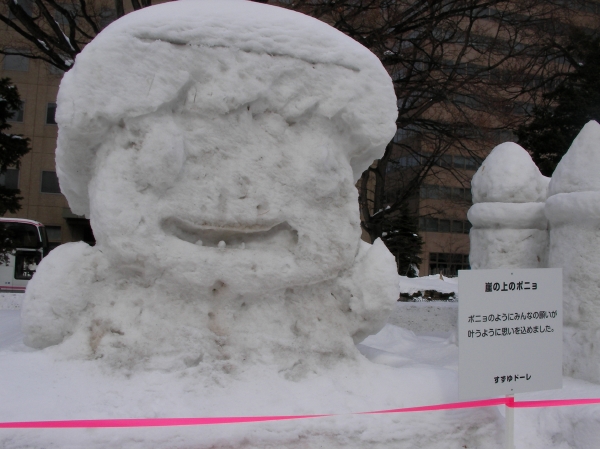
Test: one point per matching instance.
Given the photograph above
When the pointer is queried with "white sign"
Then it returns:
(510, 331)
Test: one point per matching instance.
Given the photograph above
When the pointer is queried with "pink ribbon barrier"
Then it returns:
(170, 422)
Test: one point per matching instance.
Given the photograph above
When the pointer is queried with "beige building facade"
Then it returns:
(38, 83)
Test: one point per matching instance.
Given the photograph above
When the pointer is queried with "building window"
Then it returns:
(50, 113)
(428, 224)
(50, 182)
(10, 178)
(18, 115)
(448, 160)
(436, 192)
(401, 162)
(444, 226)
(54, 233)
(54, 236)
(15, 62)
(447, 263)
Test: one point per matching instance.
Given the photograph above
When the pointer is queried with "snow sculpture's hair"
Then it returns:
(174, 58)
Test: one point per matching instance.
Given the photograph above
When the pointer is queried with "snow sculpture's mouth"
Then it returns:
(278, 236)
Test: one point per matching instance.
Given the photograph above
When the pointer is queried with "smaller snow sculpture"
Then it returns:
(215, 145)
(509, 226)
(573, 210)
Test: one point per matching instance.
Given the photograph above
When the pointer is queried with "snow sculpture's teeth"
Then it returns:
(280, 236)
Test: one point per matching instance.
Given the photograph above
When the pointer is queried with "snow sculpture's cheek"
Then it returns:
(160, 155)
(119, 208)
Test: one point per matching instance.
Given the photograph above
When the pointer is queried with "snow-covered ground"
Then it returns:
(414, 368)
(441, 284)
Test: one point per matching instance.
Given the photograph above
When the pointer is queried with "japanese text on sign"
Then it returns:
(541, 315)
(510, 378)
(510, 286)
(506, 331)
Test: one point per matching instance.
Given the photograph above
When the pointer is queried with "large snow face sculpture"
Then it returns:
(214, 146)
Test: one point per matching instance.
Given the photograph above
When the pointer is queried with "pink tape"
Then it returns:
(149, 422)
(170, 422)
(450, 406)
(555, 403)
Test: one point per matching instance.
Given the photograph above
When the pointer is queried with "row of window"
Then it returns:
(435, 192)
(428, 224)
(50, 114)
(447, 263)
(49, 184)
(445, 192)
(446, 160)
(480, 103)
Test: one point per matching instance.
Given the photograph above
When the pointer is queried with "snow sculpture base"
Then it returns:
(213, 333)
(506, 235)
(75, 389)
(574, 247)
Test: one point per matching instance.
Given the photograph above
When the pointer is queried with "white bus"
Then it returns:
(31, 245)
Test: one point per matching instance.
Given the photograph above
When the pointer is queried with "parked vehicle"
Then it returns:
(31, 245)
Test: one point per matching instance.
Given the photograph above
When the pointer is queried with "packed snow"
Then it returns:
(573, 210)
(419, 311)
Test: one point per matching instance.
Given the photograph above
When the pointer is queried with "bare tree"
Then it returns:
(466, 73)
(55, 32)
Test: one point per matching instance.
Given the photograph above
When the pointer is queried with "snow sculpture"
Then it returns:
(509, 229)
(573, 210)
(215, 145)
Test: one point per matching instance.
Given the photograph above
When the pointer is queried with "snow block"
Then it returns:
(509, 229)
(574, 214)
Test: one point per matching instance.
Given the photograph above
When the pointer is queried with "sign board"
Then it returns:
(509, 331)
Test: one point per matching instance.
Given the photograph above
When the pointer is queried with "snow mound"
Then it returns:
(427, 288)
(508, 175)
(577, 171)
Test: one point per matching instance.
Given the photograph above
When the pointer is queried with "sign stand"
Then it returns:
(510, 334)
(509, 416)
